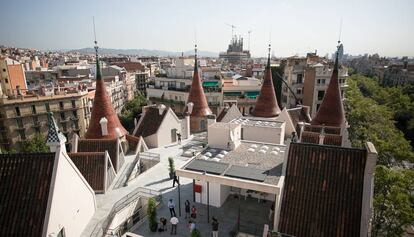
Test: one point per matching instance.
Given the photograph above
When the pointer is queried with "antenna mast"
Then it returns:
(94, 34)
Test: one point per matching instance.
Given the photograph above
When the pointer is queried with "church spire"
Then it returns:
(102, 108)
(196, 95)
(331, 111)
(266, 104)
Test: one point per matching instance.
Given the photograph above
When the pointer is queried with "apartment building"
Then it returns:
(12, 77)
(24, 116)
(307, 79)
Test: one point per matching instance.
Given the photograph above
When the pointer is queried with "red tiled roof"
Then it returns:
(25, 181)
(101, 145)
(150, 122)
(266, 104)
(102, 107)
(310, 137)
(331, 111)
(322, 194)
(92, 167)
(197, 96)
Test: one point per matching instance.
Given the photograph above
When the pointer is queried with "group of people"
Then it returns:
(190, 214)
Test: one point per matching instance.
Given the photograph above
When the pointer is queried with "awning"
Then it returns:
(232, 93)
(210, 83)
(252, 94)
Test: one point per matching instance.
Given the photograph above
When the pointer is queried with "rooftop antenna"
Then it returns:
(94, 34)
(249, 32)
(340, 32)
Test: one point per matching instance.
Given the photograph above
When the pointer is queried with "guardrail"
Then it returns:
(101, 228)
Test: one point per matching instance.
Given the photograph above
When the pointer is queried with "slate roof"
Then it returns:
(92, 167)
(101, 145)
(323, 188)
(25, 181)
(150, 122)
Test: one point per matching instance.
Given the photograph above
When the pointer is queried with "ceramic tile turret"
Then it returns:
(199, 109)
(266, 105)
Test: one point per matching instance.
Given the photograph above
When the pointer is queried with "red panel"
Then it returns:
(197, 188)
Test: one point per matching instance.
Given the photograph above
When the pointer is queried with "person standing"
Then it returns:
(187, 209)
(174, 222)
(214, 227)
(163, 223)
(171, 206)
(191, 226)
(193, 212)
(179, 138)
(175, 179)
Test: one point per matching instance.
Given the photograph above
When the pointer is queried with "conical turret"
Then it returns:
(331, 112)
(102, 108)
(266, 104)
(197, 96)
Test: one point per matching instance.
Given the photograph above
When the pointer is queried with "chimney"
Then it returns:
(186, 125)
(18, 90)
(161, 108)
(104, 126)
(190, 107)
(211, 119)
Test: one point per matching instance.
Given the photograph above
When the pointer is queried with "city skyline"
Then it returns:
(292, 27)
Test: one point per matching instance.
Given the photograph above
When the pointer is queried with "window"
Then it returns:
(4, 70)
(34, 109)
(73, 104)
(61, 104)
(6, 80)
(299, 79)
(62, 116)
(75, 113)
(299, 91)
(47, 107)
(19, 122)
(17, 111)
(321, 81)
(321, 95)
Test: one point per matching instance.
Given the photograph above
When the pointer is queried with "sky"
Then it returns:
(293, 27)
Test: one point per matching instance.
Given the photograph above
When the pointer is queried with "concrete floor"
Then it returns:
(253, 215)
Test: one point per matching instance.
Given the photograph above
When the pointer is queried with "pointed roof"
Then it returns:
(331, 112)
(266, 104)
(197, 96)
(102, 107)
(54, 136)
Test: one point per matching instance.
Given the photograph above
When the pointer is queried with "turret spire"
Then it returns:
(196, 95)
(266, 105)
(331, 112)
(102, 107)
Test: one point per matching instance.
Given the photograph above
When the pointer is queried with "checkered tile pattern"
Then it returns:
(53, 135)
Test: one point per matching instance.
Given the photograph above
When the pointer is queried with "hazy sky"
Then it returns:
(369, 26)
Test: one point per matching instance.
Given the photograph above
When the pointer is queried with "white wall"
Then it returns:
(264, 134)
(170, 122)
(219, 135)
(151, 141)
(124, 214)
(218, 193)
(72, 200)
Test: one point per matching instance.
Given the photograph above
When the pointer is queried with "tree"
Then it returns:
(132, 110)
(36, 144)
(152, 214)
(371, 118)
(393, 201)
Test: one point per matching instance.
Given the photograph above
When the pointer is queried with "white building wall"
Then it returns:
(170, 122)
(218, 193)
(152, 140)
(264, 134)
(72, 200)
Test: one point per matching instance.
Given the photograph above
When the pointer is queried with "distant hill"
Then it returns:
(141, 52)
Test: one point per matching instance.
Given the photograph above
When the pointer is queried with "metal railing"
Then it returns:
(101, 228)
